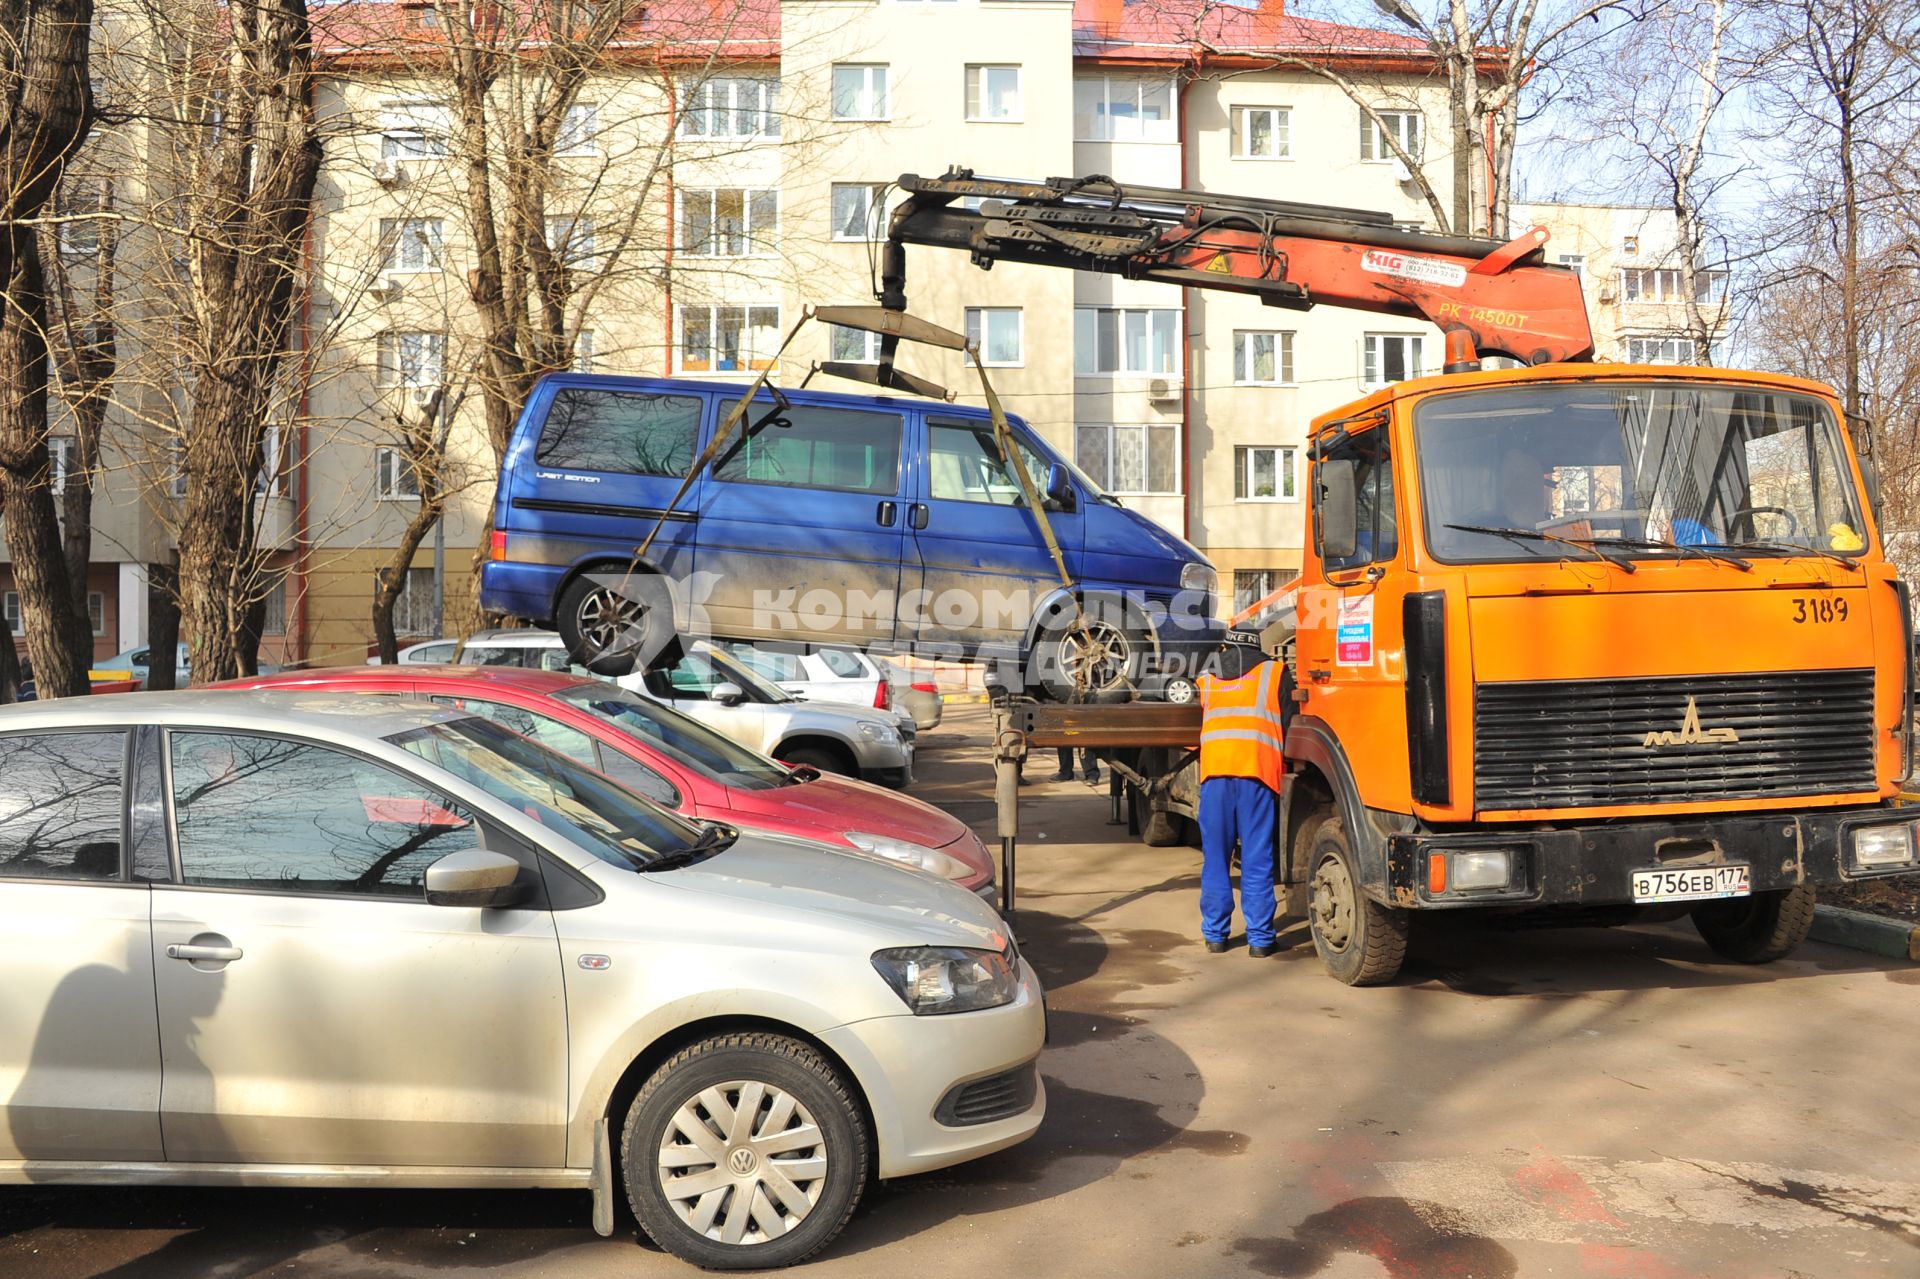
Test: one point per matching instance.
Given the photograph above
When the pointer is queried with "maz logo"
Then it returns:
(1691, 734)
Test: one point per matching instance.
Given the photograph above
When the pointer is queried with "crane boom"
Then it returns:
(1489, 298)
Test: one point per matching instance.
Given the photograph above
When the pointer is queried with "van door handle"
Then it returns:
(917, 515)
(887, 514)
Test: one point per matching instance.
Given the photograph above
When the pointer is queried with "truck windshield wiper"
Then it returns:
(1535, 535)
(1718, 553)
(1792, 549)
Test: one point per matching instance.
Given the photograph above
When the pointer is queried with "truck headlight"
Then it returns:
(885, 734)
(947, 979)
(906, 853)
(1198, 577)
(1883, 847)
(1467, 870)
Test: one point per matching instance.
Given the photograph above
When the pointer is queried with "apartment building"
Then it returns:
(723, 198)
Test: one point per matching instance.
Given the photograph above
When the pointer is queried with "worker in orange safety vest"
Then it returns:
(1241, 764)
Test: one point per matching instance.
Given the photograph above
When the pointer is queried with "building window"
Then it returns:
(860, 91)
(1264, 473)
(60, 449)
(1129, 458)
(728, 339)
(571, 240)
(729, 222)
(13, 611)
(583, 351)
(995, 332)
(1125, 339)
(1251, 585)
(1261, 133)
(394, 476)
(413, 130)
(854, 346)
(411, 244)
(412, 358)
(1630, 245)
(1662, 350)
(1390, 357)
(1123, 109)
(274, 616)
(579, 130)
(79, 241)
(857, 207)
(96, 612)
(1402, 126)
(270, 482)
(1576, 263)
(1262, 357)
(413, 613)
(993, 93)
(1665, 284)
(732, 107)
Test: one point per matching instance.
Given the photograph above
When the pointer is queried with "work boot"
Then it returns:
(1064, 775)
(1093, 775)
(1216, 947)
(1262, 952)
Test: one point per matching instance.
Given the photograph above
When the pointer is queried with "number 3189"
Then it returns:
(1820, 609)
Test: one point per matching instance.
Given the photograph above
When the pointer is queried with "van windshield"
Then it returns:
(1513, 473)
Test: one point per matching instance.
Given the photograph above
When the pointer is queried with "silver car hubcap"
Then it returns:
(742, 1162)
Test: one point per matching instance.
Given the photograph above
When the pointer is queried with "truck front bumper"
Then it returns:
(1593, 864)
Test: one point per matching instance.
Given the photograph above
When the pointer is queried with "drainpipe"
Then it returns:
(298, 604)
(1187, 299)
(673, 129)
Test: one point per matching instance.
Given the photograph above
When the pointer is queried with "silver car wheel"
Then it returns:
(609, 622)
(742, 1162)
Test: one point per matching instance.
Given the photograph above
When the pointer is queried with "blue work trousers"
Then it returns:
(1236, 810)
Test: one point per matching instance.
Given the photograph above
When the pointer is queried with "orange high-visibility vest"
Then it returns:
(1240, 734)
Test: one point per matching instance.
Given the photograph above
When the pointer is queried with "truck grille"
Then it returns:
(982, 1101)
(1593, 743)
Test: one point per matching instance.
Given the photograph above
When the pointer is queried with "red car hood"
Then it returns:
(840, 804)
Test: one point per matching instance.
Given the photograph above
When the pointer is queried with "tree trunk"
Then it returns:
(9, 669)
(163, 624)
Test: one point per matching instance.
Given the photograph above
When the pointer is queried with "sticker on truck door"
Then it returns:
(1353, 641)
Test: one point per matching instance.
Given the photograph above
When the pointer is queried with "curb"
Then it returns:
(1838, 926)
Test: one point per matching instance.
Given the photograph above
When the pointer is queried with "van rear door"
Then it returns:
(607, 460)
(802, 526)
(984, 566)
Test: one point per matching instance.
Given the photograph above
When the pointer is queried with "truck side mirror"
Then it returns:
(1059, 488)
(1336, 516)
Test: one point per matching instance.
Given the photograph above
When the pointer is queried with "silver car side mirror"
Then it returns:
(473, 877)
(728, 693)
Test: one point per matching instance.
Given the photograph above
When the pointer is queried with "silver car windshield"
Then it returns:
(1513, 473)
(593, 811)
(686, 741)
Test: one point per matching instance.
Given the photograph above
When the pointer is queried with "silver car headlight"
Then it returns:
(1198, 577)
(886, 734)
(947, 979)
(906, 853)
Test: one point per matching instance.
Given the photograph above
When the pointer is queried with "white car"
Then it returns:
(822, 673)
(428, 651)
(307, 939)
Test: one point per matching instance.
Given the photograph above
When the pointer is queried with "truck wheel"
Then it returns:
(1162, 829)
(1361, 942)
(612, 620)
(745, 1152)
(1757, 929)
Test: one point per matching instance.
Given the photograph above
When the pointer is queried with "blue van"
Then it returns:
(884, 521)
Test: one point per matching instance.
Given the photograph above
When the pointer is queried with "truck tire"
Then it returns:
(1361, 942)
(1757, 929)
(1162, 829)
(612, 621)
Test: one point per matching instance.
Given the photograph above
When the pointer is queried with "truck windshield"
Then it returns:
(1649, 470)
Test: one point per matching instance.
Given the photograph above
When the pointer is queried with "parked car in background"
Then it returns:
(821, 673)
(513, 646)
(720, 692)
(425, 652)
(678, 762)
(914, 693)
(379, 944)
(136, 662)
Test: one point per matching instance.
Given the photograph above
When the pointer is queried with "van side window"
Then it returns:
(1372, 455)
(624, 431)
(60, 818)
(964, 465)
(822, 448)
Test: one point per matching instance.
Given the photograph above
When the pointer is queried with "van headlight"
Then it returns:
(1198, 577)
(903, 852)
(947, 979)
(885, 734)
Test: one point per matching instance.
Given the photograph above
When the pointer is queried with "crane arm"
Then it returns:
(1489, 298)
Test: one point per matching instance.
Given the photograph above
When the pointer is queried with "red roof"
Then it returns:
(1158, 30)
(677, 30)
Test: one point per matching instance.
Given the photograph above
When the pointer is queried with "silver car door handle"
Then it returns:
(216, 953)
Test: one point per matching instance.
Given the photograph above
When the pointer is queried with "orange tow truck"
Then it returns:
(1595, 642)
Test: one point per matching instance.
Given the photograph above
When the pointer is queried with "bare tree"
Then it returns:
(46, 109)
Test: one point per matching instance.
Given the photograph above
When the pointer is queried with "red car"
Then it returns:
(661, 754)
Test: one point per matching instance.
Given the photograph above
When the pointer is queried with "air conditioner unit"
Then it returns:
(389, 172)
(1606, 296)
(1163, 391)
(388, 290)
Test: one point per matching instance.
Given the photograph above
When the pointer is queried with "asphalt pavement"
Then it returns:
(1607, 1104)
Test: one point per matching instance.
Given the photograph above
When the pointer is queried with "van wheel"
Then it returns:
(745, 1152)
(612, 620)
(1361, 942)
(1098, 656)
(1757, 929)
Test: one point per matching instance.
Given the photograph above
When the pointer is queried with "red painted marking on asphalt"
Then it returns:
(1563, 1192)
(1611, 1261)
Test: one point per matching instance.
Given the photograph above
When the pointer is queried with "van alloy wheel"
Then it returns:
(743, 1162)
(1095, 655)
(607, 622)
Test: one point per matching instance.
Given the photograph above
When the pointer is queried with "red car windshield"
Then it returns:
(691, 744)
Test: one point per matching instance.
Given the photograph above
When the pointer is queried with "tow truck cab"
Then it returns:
(1597, 636)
